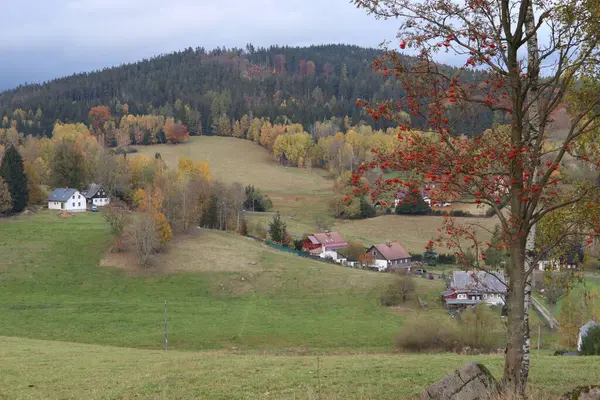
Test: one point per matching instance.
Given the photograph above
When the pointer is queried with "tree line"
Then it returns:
(198, 87)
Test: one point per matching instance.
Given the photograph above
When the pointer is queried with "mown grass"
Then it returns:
(52, 287)
(34, 369)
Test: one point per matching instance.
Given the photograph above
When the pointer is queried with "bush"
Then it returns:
(398, 291)
(388, 211)
(416, 256)
(460, 213)
(446, 259)
(590, 344)
(427, 334)
(479, 332)
(298, 244)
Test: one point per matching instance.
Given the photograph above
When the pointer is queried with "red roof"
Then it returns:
(331, 240)
(392, 251)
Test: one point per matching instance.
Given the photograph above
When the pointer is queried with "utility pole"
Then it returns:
(166, 329)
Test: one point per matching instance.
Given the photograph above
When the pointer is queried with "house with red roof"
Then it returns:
(325, 245)
(390, 256)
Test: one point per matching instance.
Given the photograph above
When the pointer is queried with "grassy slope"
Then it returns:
(34, 369)
(51, 287)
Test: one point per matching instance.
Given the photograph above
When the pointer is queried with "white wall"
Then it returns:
(382, 265)
(76, 203)
(54, 205)
(101, 201)
(333, 255)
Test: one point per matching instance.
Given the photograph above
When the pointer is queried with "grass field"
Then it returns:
(52, 287)
(412, 231)
(237, 160)
(34, 369)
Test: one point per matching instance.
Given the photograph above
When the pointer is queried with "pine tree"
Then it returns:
(366, 209)
(278, 229)
(5, 199)
(13, 173)
(430, 257)
(210, 217)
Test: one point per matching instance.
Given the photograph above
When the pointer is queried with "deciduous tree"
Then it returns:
(515, 167)
(5, 199)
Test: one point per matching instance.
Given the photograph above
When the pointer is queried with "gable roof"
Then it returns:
(91, 190)
(61, 194)
(479, 281)
(391, 251)
(331, 240)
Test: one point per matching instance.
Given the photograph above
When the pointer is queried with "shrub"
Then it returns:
(413, 204)
(398, 291)
(479, 332)
(388, 211)
(426, 334)
(416, 256)
(590, 344)
(446, 259)
(460, 213)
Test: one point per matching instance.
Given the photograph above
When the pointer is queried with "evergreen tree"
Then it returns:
(13, 173)
(210, 216)
(413, 204)
(366, 209)
(497, 254)
(278, 229)
(5, 199)
(430, 257)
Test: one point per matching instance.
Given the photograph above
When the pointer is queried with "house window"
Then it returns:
(78, 197)
(78, 204)
(62, 206)
(73, 204)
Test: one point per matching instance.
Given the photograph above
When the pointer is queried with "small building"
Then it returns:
(583, 331)
(390, 256)
(472, 287)
(325, 245)
(66, 199)
(96, 195)
(570, 260)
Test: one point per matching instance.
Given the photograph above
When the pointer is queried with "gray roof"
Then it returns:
(61, 194)
(91, 190)
(478, 281)
(454, 302)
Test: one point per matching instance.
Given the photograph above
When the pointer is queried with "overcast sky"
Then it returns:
(45, 39)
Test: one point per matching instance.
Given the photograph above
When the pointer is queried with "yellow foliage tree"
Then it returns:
(196, 167)
(165, 234)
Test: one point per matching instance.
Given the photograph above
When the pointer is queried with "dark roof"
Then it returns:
(61, 194)
(91, 190)
(478, 281)
(391, 251)
(448, 293)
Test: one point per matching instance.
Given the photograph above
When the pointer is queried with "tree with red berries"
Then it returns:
(512, 168)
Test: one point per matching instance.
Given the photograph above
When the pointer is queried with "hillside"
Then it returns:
(68, 370)
(196, 86)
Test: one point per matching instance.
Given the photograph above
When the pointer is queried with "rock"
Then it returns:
(243, 278)
(471, 382)
(583, 393)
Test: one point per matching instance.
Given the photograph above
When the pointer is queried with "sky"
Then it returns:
(46, 39)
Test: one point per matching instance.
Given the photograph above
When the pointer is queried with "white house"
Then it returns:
(96, 195)
(325, 245)
(66, 199)
(472, 287)
(583, 331)
(390, 256)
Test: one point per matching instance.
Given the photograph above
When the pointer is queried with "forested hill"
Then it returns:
(285, 84)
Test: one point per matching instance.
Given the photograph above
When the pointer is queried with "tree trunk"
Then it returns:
(517, 346)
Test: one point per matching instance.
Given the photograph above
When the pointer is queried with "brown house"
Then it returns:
(390, 256)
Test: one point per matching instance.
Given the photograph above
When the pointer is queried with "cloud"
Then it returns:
(90, 34)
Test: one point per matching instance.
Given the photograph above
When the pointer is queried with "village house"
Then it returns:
(570, 260)
(96, 195)
(325, 245)
(66, 199)
(390, 256)
(472, 287)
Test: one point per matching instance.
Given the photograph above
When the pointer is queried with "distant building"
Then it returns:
(583, 331)
(472, 287)
(390, 256)
(570, 260)
(66, 199)
(325, 245)
(96, 195)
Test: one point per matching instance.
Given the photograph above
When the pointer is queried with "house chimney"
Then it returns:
(388, 243)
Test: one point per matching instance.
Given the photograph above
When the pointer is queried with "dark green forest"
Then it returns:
(284, 84)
